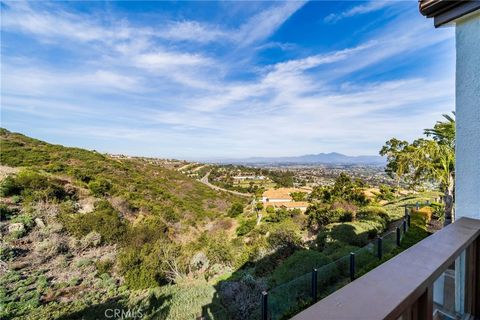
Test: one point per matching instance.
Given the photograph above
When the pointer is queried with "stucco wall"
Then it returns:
(468, 117)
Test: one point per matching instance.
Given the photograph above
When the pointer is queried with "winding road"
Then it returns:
(204, 180)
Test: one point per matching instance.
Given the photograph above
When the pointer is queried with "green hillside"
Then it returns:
(119, 224)
(82, 232)
(146, 188)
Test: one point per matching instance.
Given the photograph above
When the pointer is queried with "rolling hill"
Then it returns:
(332, 158)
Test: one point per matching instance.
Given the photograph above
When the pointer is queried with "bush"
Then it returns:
(52, 246)
(32, 185)
(239, 299)
(104, 220)
(282, 214)
(28, 179)
(370, 212)
(336, 249)
(298, 264)
(321, 239)
(346, 216)
(91, 240)
(104, 266)
(25, 219)
(425, 212)
(6, 212)
(100, 187)
(298, 196)
(217, 248)
(151, 265)
(386, 193)
(6, 253)
(357, 233)
(83, 262)
(235, 210)
(245, 227)
(438, 210)
(285, 237)
(10, 187)
(319, 215)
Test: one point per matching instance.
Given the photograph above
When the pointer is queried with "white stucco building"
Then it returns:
(464, 16)
(468, 116)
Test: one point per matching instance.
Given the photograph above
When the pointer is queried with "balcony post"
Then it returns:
(380, 248)
(352, 266)
(264, 305)
(476, 277)
(472, 274)
(314, 284)
(398, 236)
(423, 308)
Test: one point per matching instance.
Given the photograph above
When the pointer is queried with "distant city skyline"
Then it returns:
(213, 80)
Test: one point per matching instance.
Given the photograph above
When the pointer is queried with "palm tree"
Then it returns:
(434, 161)
(444, 134)
(427, 160)
(444, 131)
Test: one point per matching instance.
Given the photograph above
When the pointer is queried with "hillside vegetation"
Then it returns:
(130, 219)
(83, 232)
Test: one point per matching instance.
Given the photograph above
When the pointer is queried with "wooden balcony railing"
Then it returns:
(438, 278)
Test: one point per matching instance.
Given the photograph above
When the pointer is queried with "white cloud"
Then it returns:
(265, 23)
(168, 60)
(193, 31)
(371, 6)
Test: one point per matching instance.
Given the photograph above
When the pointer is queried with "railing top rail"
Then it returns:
(386, 291)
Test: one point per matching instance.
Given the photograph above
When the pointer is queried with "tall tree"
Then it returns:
(427, 160)
(394, 150)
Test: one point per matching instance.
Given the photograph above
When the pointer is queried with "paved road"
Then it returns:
(204, 180)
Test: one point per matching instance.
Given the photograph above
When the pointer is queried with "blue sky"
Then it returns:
(198, 80)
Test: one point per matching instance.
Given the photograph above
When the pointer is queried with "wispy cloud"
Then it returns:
(266, 22)
(371, 6)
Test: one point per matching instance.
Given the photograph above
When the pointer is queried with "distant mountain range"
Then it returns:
(321, 158)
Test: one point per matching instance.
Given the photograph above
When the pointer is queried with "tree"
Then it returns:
(298, 196)
(235, 210)
(427, 160)
(394, 149)
(343, 189)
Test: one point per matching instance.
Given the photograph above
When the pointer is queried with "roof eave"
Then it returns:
(445, 11)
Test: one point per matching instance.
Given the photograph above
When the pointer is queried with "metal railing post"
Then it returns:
(380, 248)
(404, 226)
(409, 221)
(264, 305)
(352, 266)
(406, 210)
(314, 284)
(398, 236)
